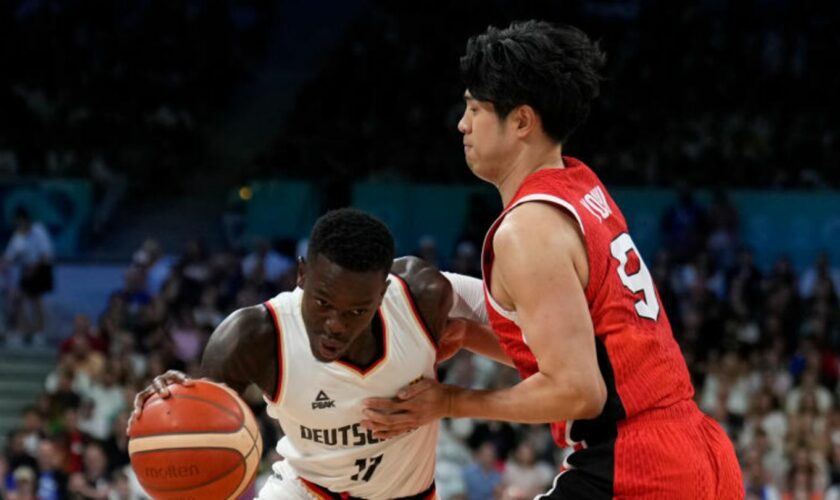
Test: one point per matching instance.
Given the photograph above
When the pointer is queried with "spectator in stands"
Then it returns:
(30, 250)
(265, 265)
(25, 487)
(16, 452)
(724, 224)
(106, 399)
(83, 331)
(820, 276)
(111, 186)
(93, 482)
(116, 446)
(525, 474)
(156, 265)
(52, 481)
(684, 226)
(427, 249)
(466, 260)
(759, 485)
(482, 476)
(32, 429)
(5, 475)
(133, 295)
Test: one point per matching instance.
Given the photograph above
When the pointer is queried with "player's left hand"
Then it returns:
(158, 386)
(415, 405)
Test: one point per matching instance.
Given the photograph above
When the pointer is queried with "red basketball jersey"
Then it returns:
(639, 359)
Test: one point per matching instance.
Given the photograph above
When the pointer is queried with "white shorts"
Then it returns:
(283, 484)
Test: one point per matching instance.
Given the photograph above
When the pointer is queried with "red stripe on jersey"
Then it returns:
(364, 371)
(320, 492)
(276, 396)
(416, 312)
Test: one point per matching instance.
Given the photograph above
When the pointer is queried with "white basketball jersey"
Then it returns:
(319, 405)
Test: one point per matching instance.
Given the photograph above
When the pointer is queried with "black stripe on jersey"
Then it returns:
(604, 427)
(590, 475)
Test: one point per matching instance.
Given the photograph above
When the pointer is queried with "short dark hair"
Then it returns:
(552, 68)
(354, 240)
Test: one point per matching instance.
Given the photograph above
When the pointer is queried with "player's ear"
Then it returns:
(525, 119)
(301, 271)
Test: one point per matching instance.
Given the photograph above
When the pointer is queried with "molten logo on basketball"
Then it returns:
(171, 471)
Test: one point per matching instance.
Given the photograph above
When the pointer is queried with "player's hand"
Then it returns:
(452, 339)
(158, 386)
(415, 405)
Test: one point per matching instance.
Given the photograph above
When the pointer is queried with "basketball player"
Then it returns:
(568, 294)
(350, 331)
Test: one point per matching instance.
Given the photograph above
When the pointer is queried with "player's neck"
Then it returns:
(528, 161)
(365, 349)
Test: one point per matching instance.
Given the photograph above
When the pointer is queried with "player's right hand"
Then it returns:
(158, 386)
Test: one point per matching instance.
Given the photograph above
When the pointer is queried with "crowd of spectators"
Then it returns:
(761, 347)
(745, 102)
(711, 93)
(120, 89)
(692, 90)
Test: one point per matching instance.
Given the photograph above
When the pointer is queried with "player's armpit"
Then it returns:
(242, 350)
(474, 337)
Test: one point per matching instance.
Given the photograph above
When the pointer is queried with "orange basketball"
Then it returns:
(202, 442)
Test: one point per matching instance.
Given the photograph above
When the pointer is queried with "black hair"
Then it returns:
(552, 68)
(354, 240)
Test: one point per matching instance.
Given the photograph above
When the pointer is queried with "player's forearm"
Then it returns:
(481, 340)
(536, 400)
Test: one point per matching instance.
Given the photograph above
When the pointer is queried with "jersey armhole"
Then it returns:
(278, 330)
(416, 313)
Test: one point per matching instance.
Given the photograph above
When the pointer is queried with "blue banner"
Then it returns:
(63, 206)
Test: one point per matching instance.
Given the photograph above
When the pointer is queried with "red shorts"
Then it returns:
(663, 454)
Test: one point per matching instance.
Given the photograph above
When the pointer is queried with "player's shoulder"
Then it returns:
(248, 325)
(534, 222)
(429, 288)
(422, 277)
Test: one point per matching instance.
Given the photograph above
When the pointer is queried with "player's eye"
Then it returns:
(321, 302)
(358, 312)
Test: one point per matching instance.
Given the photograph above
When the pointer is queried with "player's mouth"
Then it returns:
(330, 349)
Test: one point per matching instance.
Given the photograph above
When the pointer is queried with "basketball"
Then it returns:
(202, 442)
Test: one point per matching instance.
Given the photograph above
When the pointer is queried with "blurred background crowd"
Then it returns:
(145, 100)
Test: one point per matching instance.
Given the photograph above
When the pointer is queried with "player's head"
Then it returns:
(530, 78)
(344, 278)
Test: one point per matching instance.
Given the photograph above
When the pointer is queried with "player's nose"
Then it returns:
(334, 327)
(462, 124)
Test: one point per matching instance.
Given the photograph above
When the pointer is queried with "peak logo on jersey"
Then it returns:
(596, 202)
(322, 401)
